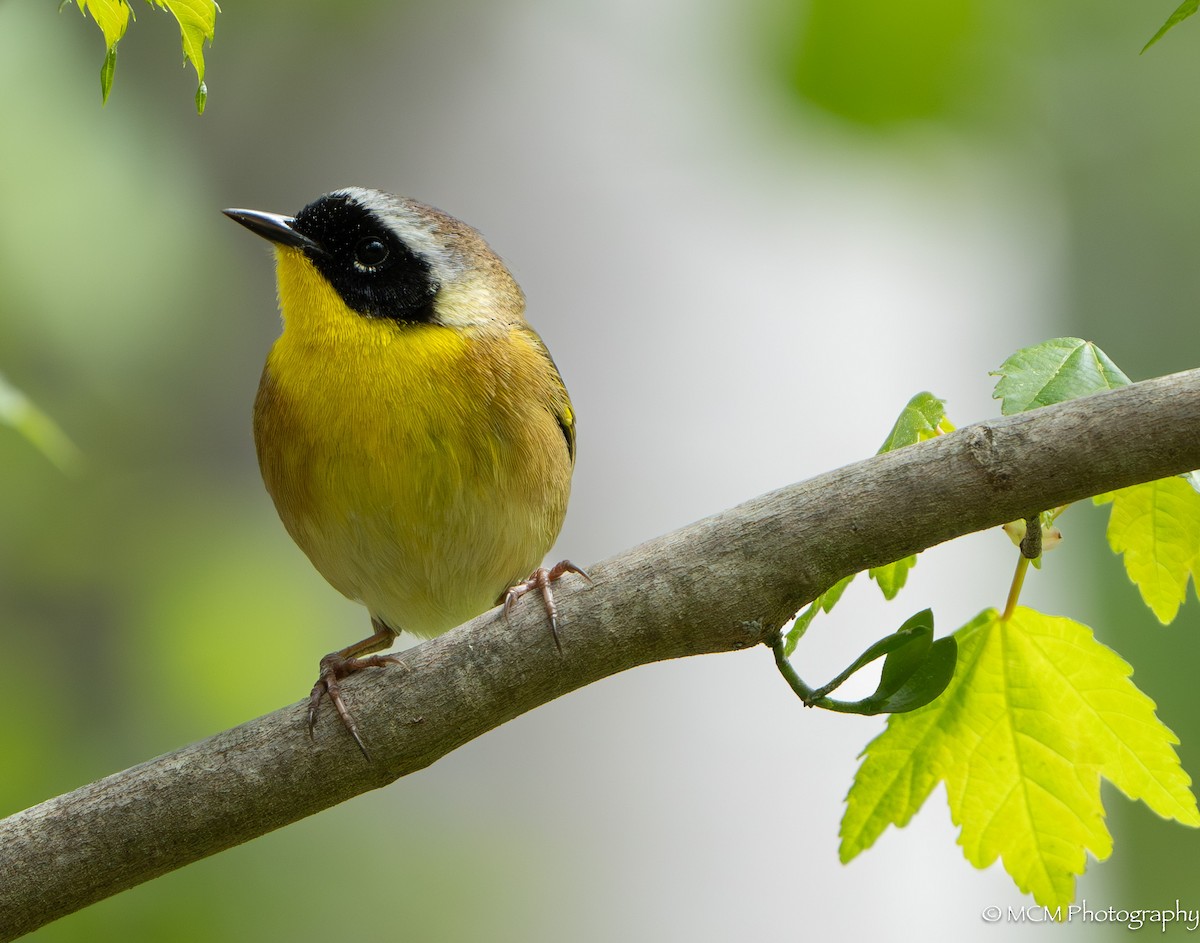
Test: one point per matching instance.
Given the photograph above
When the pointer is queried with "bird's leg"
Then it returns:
(338, 665)
(541, 578)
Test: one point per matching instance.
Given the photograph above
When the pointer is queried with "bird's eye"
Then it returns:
(370, 253)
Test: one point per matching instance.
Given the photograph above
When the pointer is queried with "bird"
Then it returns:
(412, 429)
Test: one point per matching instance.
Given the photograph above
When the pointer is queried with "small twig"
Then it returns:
(1031, 543)
(803, 691)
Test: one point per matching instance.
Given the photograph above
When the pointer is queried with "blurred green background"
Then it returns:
(748, 231)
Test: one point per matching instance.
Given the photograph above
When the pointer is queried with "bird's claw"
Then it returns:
(335, 667)
(540, 579)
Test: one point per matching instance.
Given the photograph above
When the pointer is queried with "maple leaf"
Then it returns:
(1037, 712)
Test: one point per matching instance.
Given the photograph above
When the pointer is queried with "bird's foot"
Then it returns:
(541, 578)
(334, 667)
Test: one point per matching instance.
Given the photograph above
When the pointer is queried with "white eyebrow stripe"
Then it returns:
(415, 229)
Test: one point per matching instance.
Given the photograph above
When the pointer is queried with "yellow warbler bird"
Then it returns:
(411, 427)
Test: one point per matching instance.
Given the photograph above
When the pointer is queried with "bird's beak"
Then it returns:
(279, 229)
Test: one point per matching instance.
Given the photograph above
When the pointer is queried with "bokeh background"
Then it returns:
(749, 230)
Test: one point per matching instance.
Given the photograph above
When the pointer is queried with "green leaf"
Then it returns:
(18, 412)
(1182, 12)
(922, 418)
(915, 631)
(833, 595)
(825, 602)
(112, 16)
(903, 660)
(197, 22)
(892, 576)
(1036, 713)
(106, 73)
(1052, 372)
(1156, 526)
(924, 681)
(915, 671)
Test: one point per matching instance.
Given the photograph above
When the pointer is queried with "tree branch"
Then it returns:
(724, 583)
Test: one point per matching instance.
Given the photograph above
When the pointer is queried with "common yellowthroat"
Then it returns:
(411, 427)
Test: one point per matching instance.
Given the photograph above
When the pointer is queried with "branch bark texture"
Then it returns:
(721, 584)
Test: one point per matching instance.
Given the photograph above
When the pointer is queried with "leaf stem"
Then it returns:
(1014, 591)
(803, 691)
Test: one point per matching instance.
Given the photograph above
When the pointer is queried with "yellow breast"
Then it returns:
(423, 469)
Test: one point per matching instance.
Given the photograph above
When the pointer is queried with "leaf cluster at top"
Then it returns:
(197, 23)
